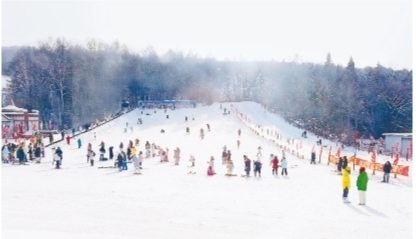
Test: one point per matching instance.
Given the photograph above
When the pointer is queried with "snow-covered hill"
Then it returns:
(80, 201)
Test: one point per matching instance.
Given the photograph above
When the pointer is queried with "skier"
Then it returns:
(283, 164)
(136, 163)
(91, 155)
(119, 161)
(208, 127)
(224, 157)
(141, 159)
(230, 167)
(362, 181)
(5, 154)
(257, 167)
(60, 154)
(210, 171)
(346, 184)
(176, 155)
(247, 165)
(79, 143)
(313, 156)
(187, 130)
(121, 146)
(202, 133)
(275, 165)
(136, 142)
(37, 153)
(56, 160)
(259, 151)
(110, 150)
(211, 163)
(239, 132)
(238, 143)
(192, 160)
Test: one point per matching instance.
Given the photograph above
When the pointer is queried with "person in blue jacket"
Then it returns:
(79, 143)
(247, 165)
(257, 168)
(387, 169)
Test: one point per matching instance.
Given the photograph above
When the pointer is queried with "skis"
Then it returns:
(191, 172)
(105, 167)
(230, 175)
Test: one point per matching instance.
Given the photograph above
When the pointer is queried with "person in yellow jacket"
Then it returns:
(133, 150)
(346, 183)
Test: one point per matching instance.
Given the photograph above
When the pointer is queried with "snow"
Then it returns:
(80, 201)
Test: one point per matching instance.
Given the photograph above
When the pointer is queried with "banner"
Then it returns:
(397, 169)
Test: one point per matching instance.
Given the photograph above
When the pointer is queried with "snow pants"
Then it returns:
(345, 193)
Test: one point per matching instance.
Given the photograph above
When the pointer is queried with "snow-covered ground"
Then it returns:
(80, 201)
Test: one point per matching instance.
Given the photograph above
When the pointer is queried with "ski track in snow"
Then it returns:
(166, 202)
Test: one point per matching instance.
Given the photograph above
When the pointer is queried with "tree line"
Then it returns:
(75, 84)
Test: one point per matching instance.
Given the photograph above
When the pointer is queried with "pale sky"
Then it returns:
(370, 32)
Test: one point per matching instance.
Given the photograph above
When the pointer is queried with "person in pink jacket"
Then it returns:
(210, 172)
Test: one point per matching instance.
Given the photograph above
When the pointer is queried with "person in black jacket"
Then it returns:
(387, 169)
(110, 150)
(344, 162)
(20, 154)
(339, 166)
(247, 166)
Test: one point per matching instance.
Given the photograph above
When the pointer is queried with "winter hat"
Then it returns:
(348, 168)
(362, 169)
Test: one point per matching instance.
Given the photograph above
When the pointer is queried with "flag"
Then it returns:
(373, 157)
(338, 153)
(396, 160)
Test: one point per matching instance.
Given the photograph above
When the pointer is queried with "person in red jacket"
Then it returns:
(275, 165)
(68, 139)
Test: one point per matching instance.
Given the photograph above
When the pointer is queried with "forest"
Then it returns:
(74, 84)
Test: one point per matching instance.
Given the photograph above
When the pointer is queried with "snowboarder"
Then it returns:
(346, 183)
(362, 181)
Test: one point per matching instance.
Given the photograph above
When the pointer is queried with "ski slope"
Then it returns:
(80, 201)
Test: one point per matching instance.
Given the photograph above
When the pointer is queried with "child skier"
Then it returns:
(192, 160)
(247, 165)
(283, 164)
(275, 165)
